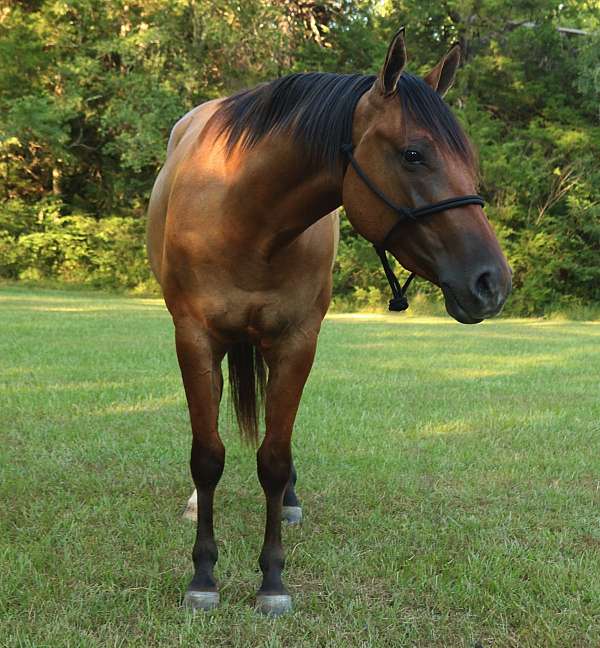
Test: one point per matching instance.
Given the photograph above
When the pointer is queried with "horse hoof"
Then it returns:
(194, 600)
(291, 514)
(273, 604)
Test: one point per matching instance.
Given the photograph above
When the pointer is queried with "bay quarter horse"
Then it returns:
(241, 238)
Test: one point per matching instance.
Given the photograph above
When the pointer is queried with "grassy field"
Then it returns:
(450, 478)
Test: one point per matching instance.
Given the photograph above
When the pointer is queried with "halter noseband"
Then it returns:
(399, 301)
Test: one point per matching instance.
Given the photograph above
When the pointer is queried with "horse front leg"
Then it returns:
(200, 363)
(289, 364)
(291, 511)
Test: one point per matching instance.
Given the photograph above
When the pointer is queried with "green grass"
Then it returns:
(450, 478)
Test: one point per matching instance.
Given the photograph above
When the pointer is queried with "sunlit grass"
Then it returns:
(450, 478)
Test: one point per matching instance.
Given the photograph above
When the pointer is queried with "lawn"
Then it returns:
(450, 479)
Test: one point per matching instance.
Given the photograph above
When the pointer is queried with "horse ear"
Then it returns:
(395, 60)
(442, 76)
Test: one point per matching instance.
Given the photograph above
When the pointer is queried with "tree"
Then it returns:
(89, 90)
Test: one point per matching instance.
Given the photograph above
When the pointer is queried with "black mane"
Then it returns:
(317, 109)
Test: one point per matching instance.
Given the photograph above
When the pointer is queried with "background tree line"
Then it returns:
(89, 90)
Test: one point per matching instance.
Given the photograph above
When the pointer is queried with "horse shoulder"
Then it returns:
(183, 133)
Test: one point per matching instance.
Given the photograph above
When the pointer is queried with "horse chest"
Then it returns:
(256, 317)
(244, 300)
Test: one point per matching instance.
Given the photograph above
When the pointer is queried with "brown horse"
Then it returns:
(242, 244)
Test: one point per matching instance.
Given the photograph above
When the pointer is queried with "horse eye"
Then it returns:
(413, 157)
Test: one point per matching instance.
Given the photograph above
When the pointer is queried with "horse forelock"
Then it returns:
(424, 107)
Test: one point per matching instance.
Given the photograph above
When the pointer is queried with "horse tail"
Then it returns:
(247, 380)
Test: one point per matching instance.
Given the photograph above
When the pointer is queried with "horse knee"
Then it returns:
(207, 462)
(274, 464)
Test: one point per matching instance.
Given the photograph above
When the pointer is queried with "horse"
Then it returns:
(242, 236)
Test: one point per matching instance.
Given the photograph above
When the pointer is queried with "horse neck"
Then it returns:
(279, 195)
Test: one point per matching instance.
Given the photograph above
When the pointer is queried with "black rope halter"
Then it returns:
(399, 301)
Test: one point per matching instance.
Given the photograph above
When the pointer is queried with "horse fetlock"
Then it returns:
(205, 552)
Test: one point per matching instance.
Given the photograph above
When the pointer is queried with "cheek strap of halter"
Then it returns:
(399, 301)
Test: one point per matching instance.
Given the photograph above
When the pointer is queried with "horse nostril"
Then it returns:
(487, 290)
(484, 286)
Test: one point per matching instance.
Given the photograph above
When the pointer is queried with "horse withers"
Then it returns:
(242, 239)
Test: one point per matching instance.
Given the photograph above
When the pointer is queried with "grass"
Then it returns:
(450, 478)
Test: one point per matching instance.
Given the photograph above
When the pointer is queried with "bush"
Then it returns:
(105, 253)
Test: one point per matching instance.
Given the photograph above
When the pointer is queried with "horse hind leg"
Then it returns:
(291, 511)
(191, 508)
(200, 364)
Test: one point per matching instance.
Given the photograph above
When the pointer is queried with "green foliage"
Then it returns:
(107, 252)
(588, 76)
(89, 90)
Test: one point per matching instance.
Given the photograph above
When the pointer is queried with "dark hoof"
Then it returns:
(194, 600)
(291, 514)
(273, 604)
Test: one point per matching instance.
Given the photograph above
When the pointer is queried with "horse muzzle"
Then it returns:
(482, 296)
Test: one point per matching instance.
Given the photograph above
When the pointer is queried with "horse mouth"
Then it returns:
(454, 308)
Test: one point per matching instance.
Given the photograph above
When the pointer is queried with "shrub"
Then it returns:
(106, 253)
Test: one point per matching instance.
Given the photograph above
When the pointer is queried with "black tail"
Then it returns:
(247, 380)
